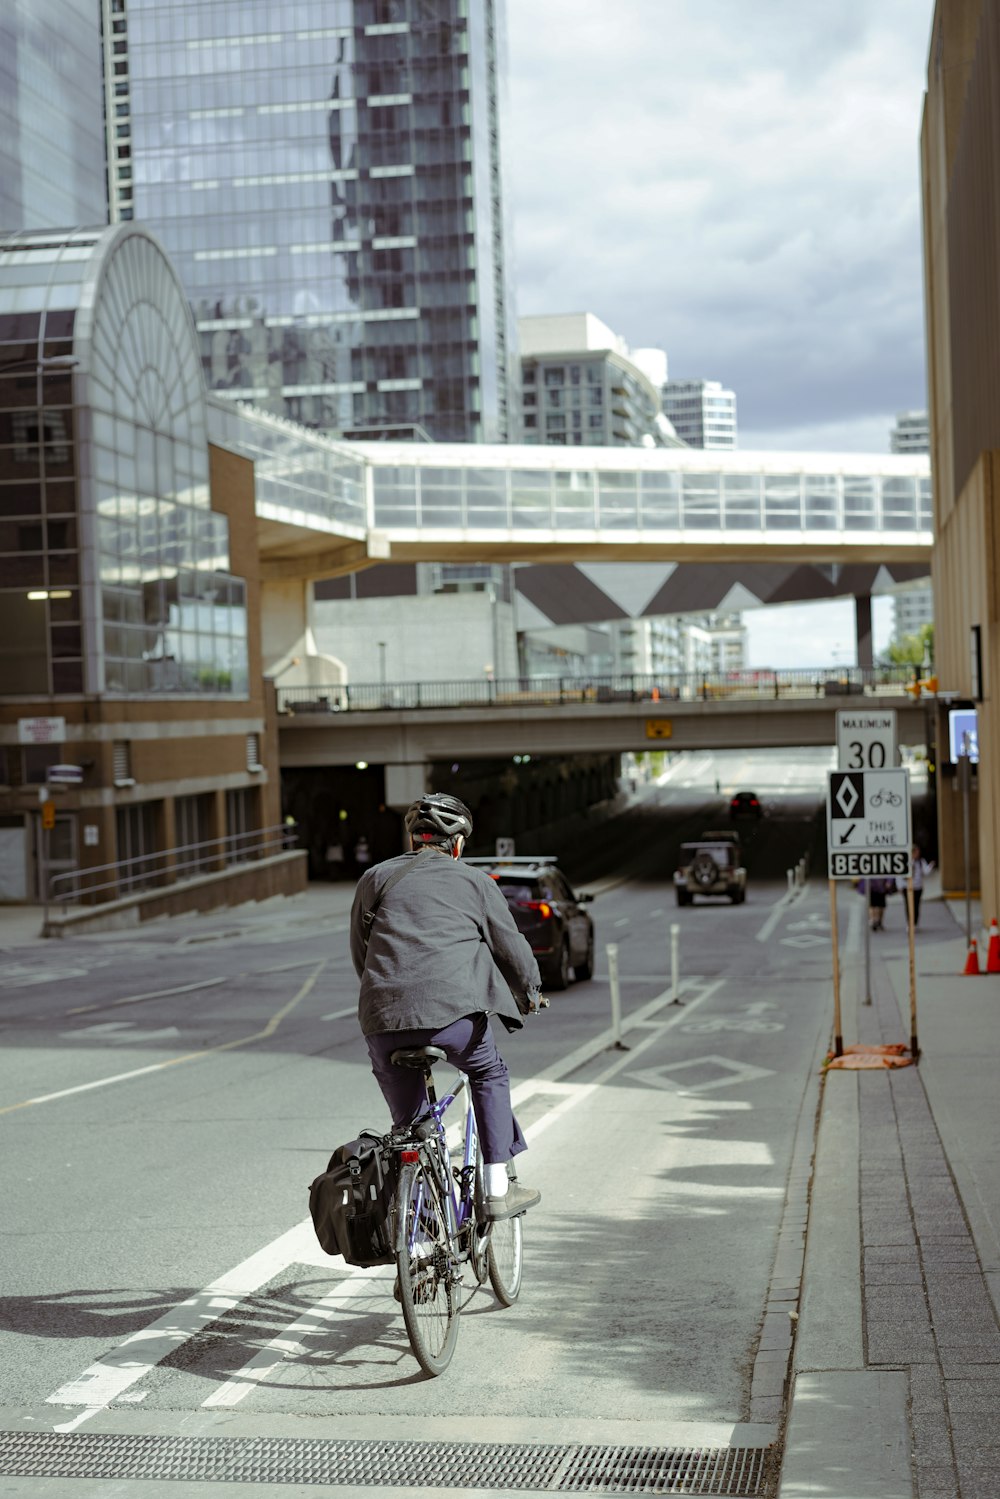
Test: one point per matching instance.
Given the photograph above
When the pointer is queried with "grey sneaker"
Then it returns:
(518, 1200)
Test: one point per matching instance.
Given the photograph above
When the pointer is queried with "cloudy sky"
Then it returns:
(736, 181)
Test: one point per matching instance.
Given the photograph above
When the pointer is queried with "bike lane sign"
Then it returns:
(868, 829)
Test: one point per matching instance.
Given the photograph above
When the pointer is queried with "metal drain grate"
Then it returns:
(733, 1472)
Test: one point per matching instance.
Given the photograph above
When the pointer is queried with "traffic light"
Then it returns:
(913, 688)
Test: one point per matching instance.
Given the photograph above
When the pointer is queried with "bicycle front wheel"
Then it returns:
(505, 1259)
(429, 1289)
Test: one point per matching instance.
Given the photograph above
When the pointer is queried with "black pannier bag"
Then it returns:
(351, 1201)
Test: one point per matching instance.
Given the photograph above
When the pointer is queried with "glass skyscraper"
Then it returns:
(51, 121)
(327, 179)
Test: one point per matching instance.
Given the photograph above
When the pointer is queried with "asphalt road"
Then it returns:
(166, 1097)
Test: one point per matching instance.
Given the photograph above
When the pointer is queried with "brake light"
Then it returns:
(541, 906)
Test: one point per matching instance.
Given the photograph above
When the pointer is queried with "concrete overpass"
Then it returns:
(407, 740)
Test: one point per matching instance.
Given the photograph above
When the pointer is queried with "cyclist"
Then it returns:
(435, 962)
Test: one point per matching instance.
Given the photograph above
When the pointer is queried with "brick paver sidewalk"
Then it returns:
(926, 1306)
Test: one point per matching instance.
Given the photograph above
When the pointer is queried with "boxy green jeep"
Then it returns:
(711, 866)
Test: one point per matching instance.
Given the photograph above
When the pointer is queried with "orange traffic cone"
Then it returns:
(972, 961)
(993, 950)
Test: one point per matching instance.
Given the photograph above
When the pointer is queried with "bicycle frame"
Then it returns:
(458, 1206)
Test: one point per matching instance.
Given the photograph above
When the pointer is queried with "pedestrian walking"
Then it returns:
(876, 891)
(921, 868)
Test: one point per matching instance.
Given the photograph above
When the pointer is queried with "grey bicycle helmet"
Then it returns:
(438, 818)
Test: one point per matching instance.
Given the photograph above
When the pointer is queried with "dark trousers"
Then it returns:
(468, 1044)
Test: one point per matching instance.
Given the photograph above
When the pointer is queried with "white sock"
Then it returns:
(496, 1182)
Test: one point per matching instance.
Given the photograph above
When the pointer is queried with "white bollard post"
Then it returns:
(616, 996)
(675, 936)
(791, 880)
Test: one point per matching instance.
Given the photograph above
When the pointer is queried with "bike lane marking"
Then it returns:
(191, 1056)
(107, 1380)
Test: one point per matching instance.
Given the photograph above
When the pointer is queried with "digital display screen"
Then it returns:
(962, 722)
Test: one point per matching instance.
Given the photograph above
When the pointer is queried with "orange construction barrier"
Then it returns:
(993, 950)
(863, 1058)
(972, 961)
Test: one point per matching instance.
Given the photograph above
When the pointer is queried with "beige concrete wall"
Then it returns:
(960, 169)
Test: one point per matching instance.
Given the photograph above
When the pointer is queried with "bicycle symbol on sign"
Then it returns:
(883, 794)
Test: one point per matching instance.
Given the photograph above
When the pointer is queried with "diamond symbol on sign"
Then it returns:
(847, 798)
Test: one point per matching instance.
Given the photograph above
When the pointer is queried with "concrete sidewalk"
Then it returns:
(896, 1367)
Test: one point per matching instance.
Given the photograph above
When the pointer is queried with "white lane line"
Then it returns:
(137, 999)
(778, 910)
(105, 1381)
(622, 921)
(341, 1014)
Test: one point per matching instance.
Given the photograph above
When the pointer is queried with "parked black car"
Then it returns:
(549, 913)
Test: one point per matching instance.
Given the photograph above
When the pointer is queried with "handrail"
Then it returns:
(651, 687)
(128, 875)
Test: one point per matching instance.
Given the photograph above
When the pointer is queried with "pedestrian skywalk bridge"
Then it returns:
(448, 502)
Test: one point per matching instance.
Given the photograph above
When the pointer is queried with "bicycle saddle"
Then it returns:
(418, 1056)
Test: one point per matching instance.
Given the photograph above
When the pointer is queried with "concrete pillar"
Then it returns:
(284, 621)
(403, 785)
(863, 630)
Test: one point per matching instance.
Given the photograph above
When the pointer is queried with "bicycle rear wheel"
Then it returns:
(425, 1263)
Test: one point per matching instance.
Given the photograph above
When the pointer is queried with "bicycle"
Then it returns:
(891, 798)
(438, 1226)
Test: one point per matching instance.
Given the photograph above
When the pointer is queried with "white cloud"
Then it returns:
(736, 181)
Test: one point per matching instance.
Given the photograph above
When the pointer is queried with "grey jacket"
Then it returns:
(443, 945)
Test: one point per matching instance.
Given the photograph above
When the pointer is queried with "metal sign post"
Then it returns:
(868, 945)
(965, 778)
(914, 1046)
(48, 821)
(838, 1029)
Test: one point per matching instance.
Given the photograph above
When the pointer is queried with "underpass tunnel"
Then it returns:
(345, 819)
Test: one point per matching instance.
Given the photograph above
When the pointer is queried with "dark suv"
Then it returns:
(549, 913)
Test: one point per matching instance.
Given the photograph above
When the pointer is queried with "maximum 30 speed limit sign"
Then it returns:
(866, 740)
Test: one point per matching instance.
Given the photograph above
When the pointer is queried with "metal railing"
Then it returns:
(168, 867)
(519, 692)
